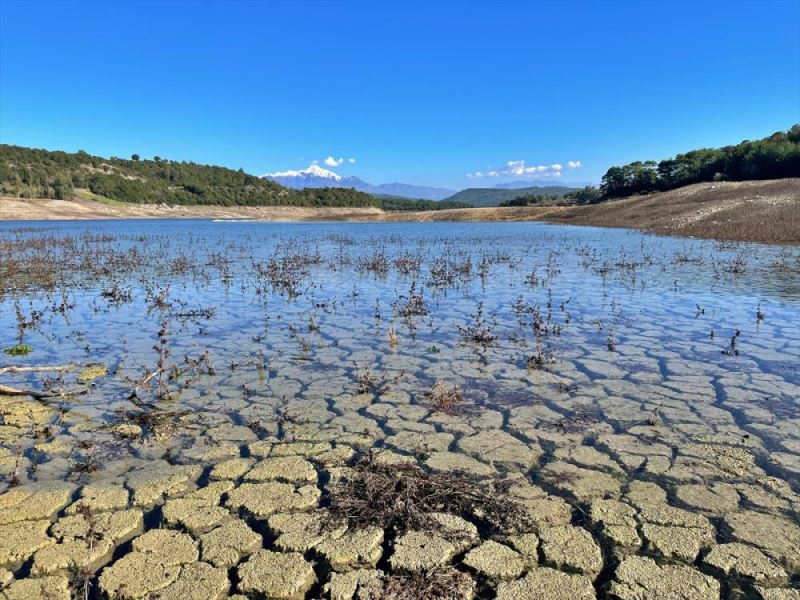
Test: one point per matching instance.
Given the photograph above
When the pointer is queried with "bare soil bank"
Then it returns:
(757, 211)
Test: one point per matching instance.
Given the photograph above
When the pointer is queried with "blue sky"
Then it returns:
(414, 92)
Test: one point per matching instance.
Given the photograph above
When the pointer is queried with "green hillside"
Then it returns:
(482, 197)
(32, 173)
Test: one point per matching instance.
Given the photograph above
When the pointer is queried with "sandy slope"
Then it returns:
(763, 211)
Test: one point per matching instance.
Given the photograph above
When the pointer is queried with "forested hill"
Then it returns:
(486, 197)
(31, 173)
(774, 157)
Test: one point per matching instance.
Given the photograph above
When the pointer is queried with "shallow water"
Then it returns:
(605, 370)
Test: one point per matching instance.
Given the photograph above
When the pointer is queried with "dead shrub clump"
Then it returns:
(400, 498)
(444, 583)
(444, 398)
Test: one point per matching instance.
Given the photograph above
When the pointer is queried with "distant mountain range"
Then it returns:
(484, 197)
(542, 183)
(317, 177)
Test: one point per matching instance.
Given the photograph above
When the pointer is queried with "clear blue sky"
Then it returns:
(415, 92)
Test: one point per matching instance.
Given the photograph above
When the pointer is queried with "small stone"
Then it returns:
(640, 578)
(571, 549)
(544, 583)
(496, 561)
(418, 551)
(283, 576)
(355, 549)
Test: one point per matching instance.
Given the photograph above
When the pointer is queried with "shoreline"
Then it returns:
(749, 211)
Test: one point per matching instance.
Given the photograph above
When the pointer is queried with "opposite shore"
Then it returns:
(753, 211)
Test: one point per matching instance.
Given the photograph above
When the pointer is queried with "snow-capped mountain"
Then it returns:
(316, 177)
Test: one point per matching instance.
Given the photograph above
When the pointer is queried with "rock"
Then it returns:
(284, 576)
(167, 546)
(361, 584)
(231, 469)
(5, 577)
(100, 498)
(571, 549)
(417, 551)
(264, 499)
(675, 533)
(716, 499)
(681, 543)
(55, 587)
(358, 548)
(527, 544)
(640, 578)
(116, 527)
(197, 581)
(584, 484)
(151, 485)
(616, 522)
(777, 537)
(456, 530)
(18, 541)
(285, 468)
(499, 448)
(544, 583)
(72, 555)
(194, 515)
(226, 545)
(91, 372)
(496, 561)
(742, 561)
(413, 442)
(301, 531)
(137, 575)
(33, 502)
(457, 462)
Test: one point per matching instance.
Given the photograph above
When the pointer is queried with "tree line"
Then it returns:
(34, 173)
(773, 157)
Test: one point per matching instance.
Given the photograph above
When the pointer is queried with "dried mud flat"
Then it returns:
(312, 414)
(750, 211)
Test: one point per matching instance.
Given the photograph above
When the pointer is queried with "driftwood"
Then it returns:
(17, 369)
(11, 391)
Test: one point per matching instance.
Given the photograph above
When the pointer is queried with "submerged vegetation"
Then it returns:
(294, 411)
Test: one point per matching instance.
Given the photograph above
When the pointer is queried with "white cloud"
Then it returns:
(352, 161)
(518, 168)
(333, 162)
